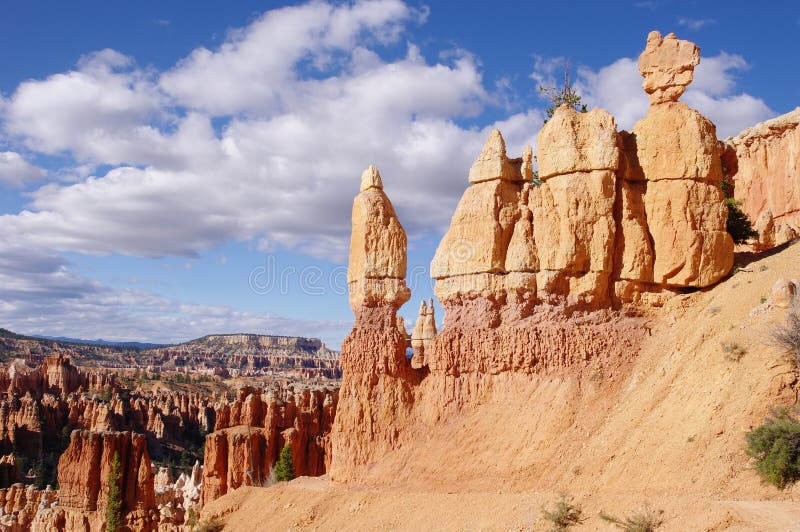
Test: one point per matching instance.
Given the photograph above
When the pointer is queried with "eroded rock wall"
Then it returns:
(252, 430)
(766, 177)
(83, 475)
(62, 398)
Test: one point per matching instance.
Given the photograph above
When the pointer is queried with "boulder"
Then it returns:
(572, 141)
(493, 163)
(784, 292)
(676, 142)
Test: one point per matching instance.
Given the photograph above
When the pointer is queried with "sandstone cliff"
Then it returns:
(220, 354)
(83, 473)
(251, 354)
(766, 176)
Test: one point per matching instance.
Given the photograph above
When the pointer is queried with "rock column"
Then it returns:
(377, 378)
(670, 182)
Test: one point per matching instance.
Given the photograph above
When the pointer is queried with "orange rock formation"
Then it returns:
(549, 279)
(766, 175)
(83, 473)
(251, 432)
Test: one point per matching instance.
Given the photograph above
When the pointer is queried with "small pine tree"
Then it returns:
(284, 468)
(114, 504)
(40, 470)
(739, 225)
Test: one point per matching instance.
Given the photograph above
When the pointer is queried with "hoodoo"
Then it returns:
(377, 378)
(675, 152)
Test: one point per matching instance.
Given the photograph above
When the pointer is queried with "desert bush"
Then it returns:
(191, 518)
(645, 521)
(776, 447)
(787, 336)
(565, 514)
(733, 351)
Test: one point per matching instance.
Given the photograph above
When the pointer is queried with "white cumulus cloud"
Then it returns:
(282, 173)
(695, 23)
(15, 171)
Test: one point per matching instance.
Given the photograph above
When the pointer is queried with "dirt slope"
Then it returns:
(667, 430)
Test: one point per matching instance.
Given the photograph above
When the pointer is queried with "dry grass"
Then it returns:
(787, 336)
(565, 514)
(645, 521)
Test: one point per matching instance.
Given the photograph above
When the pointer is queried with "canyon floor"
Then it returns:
(666, 431)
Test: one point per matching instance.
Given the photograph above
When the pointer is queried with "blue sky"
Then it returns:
(174, 169)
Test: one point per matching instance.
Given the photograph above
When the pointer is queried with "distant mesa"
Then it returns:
(220, 354)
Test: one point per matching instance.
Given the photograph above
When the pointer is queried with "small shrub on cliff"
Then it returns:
(776, 447)
(114, 504)
(284, 468)
(646, 521)
(191, 518)
(565, 95)
(564, 515)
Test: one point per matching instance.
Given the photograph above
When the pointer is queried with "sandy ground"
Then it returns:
(317, 504)
(667, 432)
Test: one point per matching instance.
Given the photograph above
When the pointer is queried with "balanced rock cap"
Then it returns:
(371, 178)
(667, 65)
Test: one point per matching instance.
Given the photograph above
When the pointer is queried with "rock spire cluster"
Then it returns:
(536, 277)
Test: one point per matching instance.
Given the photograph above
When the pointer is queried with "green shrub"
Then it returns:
(114, 504)
(566, 514)
(646, 521)
(191, 518)
(776, 447)
(739, 225)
